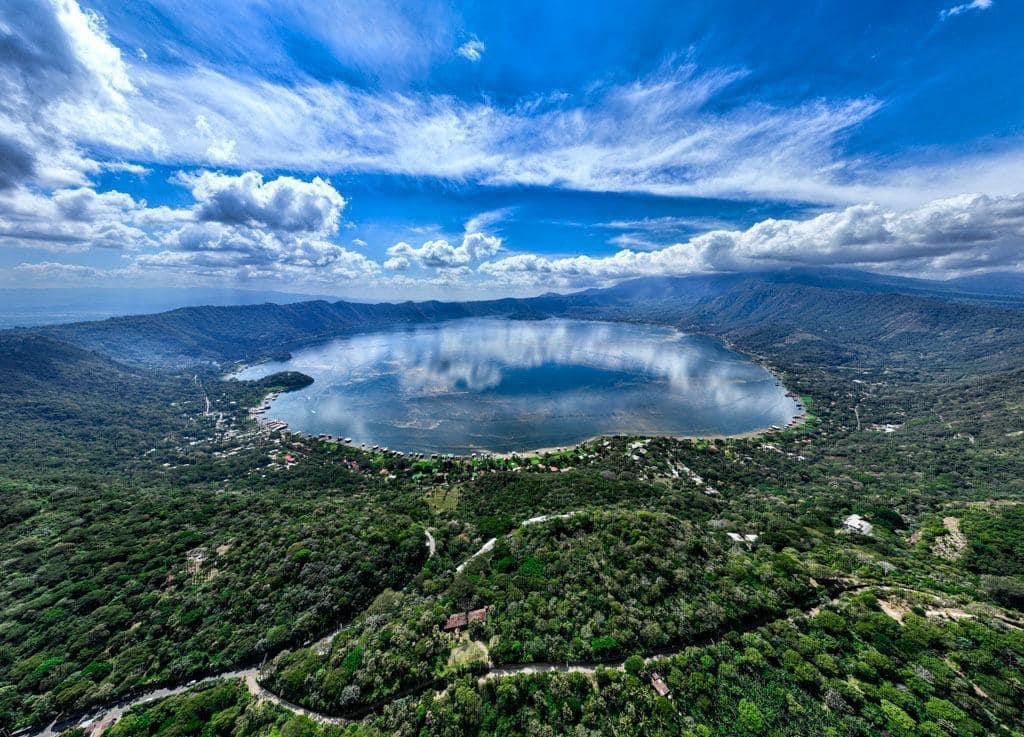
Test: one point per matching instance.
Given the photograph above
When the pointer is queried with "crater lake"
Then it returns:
(512, 385)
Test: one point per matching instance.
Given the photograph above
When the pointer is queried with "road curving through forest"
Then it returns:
(101, 719)
(98, 720)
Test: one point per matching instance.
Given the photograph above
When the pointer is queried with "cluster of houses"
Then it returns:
(255, 412)
(333, 439)
(801, 410)
(286, 460)
(694, 478)
(776, 449)
(886, 427)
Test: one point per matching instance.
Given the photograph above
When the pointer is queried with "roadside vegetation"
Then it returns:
(590, 588)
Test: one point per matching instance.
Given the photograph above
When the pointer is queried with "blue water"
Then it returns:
(508, 385)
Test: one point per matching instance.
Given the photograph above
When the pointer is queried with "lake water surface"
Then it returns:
(511, 385)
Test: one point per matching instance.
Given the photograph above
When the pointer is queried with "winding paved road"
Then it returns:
(96, 723)
(261, 694)
(486, 548)
(102, 718)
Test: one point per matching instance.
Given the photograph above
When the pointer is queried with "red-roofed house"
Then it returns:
(456, 621)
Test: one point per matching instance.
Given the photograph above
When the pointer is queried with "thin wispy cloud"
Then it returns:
(964, 8)
(637, 241)
(659, 134)
(666, 223)
(384, 41)
(486, 220)
(649, 136)
(472, 50)
(81, 104)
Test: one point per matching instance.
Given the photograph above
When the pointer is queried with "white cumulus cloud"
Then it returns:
(440, 254)
(947, 236)
(282, 204)
(238, 226)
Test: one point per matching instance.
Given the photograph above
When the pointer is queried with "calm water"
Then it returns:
(505, 385)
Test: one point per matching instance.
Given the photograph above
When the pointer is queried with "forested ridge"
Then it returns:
(856, 315)
(149, 538)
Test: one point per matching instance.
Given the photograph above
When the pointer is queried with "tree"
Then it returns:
(897, 720)
(750, 718)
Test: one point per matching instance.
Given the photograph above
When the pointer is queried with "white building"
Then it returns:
(858, 525)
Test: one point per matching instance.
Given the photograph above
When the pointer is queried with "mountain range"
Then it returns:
(851, 316)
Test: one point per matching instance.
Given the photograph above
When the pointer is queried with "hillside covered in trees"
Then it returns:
(154, 534)
(897, 319)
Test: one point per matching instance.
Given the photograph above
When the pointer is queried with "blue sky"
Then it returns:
(422, 149)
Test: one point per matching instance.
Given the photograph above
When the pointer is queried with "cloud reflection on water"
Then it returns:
(507, 384)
